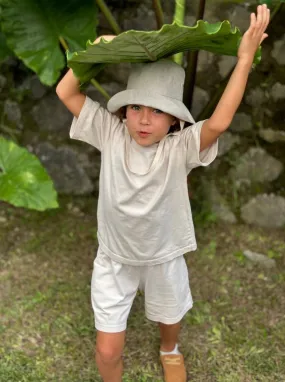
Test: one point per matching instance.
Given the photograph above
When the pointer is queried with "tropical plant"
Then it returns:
(37, 39)
(5, 52)
(36, 32)
(23, 180)
(40, 34)
(136, 46)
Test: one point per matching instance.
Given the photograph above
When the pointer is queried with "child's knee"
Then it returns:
(110, 346)
(107, 354)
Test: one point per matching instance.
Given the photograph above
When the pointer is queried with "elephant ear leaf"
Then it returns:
(139, 46)
(34, 29)
(5, 52)
(23, 180)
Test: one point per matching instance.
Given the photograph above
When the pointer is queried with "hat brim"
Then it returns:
(141, 97)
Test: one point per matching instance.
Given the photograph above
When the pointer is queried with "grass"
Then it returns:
(235, 332)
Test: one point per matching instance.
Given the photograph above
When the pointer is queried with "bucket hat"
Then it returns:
(158, 85)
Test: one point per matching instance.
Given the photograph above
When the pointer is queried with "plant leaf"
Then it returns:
(23, 180)
(271, 3)
(5, 52)
(138, 46)
(33, 29)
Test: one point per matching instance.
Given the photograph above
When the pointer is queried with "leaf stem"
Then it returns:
(179, 15)
(210, 107)
(158, 13)
(275, 10)
(110, 18)
(191, 70)
(63, 43)
(100, 88)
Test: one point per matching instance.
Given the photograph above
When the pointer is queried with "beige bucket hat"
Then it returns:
(159, 85)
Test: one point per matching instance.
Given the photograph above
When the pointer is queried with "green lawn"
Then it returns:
(234, 333)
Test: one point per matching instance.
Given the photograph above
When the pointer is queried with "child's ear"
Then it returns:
(121, 113)
(175, 120)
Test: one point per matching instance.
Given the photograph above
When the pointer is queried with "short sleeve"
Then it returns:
(191, 140)
(94, 124)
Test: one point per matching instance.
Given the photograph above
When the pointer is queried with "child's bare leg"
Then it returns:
(109, 350)
(169, 336)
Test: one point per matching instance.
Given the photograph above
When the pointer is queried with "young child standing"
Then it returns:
(144, 217)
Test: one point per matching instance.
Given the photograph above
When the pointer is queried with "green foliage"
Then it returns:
(200, 314)
(241, 259)
(271, 3)
(139, 46)
(23, 180)
(4, 50)
(28, 369)
(34, 31)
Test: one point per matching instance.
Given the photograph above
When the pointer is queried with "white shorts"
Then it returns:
(114, 287)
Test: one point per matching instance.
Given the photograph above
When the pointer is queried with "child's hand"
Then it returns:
(107, 37)
(254, 36)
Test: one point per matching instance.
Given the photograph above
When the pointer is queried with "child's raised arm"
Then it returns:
(68, 89)
(232, 96)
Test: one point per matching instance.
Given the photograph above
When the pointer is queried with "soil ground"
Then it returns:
(234, 333)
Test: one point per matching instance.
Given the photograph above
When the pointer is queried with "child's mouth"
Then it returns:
(143, 134)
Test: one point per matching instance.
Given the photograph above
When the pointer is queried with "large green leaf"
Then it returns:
(138, 46)
(23, 180)
(33, 29)
(4, 50)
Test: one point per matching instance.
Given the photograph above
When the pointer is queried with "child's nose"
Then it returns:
(145, 116)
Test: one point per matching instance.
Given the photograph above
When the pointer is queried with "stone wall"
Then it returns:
(247, 180)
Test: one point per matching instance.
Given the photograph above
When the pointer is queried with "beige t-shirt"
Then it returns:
(144, 214)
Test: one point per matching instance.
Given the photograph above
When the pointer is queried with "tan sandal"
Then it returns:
(173, 368)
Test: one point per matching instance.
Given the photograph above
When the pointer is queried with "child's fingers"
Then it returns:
(263, 38)
(262, 21)
(259, 21)
(264, 17)
(251, 28)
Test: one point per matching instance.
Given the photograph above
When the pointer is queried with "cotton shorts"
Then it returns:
(114, 287)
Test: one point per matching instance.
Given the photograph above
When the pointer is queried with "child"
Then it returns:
(144, 217)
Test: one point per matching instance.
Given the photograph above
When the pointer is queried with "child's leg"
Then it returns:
(109, 350)
(113, 289)
(169, 336)
(168, 298)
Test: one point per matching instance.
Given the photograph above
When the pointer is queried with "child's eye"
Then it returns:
(157, 111)
(135, 107)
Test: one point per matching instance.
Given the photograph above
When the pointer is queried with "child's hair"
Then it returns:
(122, 114)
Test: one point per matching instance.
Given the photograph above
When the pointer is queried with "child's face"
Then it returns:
(147, 125)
